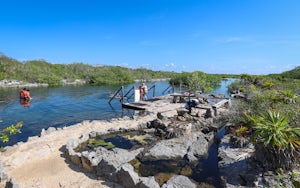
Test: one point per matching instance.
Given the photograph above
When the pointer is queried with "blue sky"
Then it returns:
(213, 36)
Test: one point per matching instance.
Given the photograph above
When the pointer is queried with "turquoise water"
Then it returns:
(62, 106)
(65, 106)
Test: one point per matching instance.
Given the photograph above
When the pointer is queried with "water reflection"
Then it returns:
(25, 102)
(64, 106)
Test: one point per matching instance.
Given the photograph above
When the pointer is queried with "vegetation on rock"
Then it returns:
(271, 112)
(95, 142)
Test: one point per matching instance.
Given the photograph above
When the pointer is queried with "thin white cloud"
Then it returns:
(146, 66)
(234, 40)
(149, 43)
(279, 42)
(123, 64)
(201, 34)
(291, 66)
(170, 65)
(107, 37)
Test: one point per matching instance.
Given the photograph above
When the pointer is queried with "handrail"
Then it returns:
(152, 87)
(130, 96)
(129, 92)
(116, 93)
(166, 89)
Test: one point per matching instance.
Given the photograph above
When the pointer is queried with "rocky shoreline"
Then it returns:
(49, 160)
(20, 84)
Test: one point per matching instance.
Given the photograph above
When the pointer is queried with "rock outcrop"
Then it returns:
(182, 136)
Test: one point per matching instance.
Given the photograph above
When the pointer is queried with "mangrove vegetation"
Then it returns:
(40, 71)
(268, 116)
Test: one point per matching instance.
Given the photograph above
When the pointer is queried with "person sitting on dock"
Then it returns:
(191, 103)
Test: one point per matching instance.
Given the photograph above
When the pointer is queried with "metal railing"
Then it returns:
(128, 95)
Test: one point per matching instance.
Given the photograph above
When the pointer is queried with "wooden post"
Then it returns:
(180, 87)
(173, 89)
(122, 94)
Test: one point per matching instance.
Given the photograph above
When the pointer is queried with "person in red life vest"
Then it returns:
(25, 97)
(22, 93)
(25, 94)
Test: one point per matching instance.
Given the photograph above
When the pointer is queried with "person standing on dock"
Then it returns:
(143, 91)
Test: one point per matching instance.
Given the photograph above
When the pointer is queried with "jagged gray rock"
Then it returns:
(110, 160)
(148, 182)
(12, 183)
(179, 182)
(192, 146)
(3, 173)
(126, 176)
(233, 162)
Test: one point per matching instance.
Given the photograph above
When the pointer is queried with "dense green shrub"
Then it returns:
(196, 81)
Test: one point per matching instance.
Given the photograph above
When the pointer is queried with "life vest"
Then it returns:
(26, 95)
(22, 94)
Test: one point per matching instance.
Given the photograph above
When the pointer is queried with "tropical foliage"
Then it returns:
(8, 131)
(276, 141)
(40, 71)
(271, 111)
(272, 129)
(196, 81)
(11, 130)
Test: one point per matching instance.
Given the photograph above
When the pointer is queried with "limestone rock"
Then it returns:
(126, 176)
(3, 173)
(12, 183)
(179, 182)
(191, 146)
(148, 182)
(110, 161)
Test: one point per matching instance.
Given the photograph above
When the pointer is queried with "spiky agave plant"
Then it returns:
(277, 143)
(289, 96)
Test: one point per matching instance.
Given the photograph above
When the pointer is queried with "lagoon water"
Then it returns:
(65, 106)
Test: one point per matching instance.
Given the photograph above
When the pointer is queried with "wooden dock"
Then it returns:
(221, 103)
(135, 106)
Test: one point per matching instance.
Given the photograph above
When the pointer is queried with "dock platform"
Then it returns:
(135, 106)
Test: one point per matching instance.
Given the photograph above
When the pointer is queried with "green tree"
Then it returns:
(196, 81)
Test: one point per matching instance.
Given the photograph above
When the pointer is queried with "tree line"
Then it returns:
(40, 71)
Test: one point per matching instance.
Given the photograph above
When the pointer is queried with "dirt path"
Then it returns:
(40, 162)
